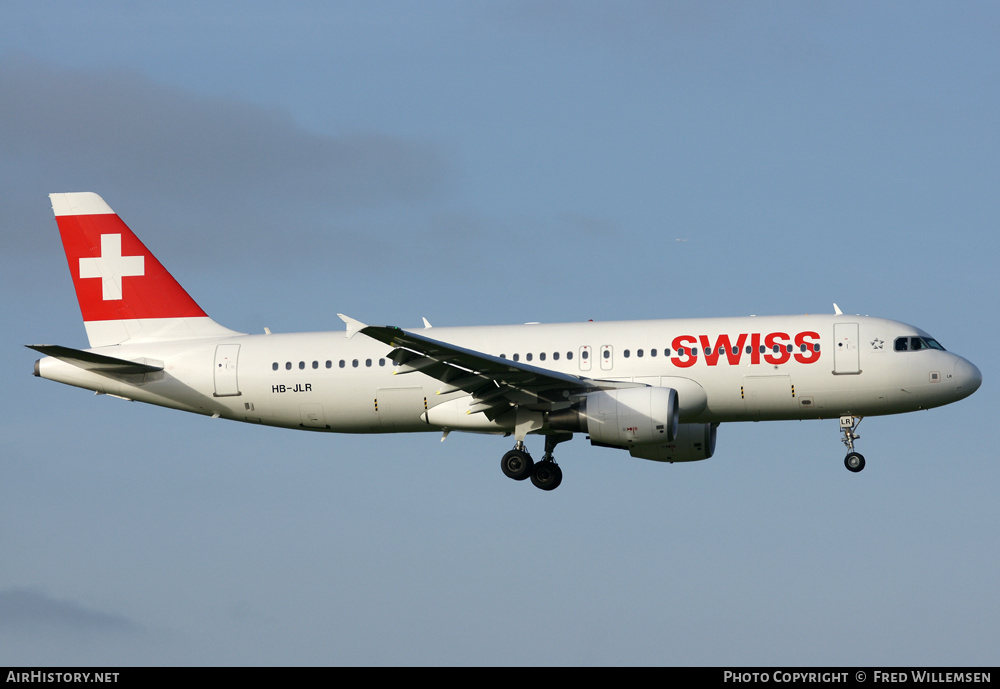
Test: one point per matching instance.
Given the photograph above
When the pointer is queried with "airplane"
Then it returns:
(657, 389)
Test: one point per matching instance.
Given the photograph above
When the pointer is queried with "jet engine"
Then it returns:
(623, 418)
(694, 441)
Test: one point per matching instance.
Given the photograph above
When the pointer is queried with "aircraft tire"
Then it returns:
(517, 465)
(854, 461)
(546, 475)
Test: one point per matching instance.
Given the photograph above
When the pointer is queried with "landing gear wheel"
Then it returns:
(854, 462)
(546, 475)
(517, 465)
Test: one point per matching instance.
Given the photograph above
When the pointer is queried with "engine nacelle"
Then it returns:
(623, 418)
(695, 441)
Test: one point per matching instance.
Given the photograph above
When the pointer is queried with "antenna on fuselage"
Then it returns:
(836, 309)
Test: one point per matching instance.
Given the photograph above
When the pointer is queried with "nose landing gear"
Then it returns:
(854, 461)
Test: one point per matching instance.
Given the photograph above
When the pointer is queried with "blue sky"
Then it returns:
(502, 162)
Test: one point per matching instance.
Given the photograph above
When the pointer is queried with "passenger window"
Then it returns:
(585, 354)
(288, 365)
(329, 364)
(343, 363)
(354, 363)
(638, 353)
(368, 362)
(381, 362)
(517, 357)
(569, 355)
(527, 357)
(555, 356)
(652, 352)
(541, 357)
(302, 365)
(625, 354)
(315, 364)
(274, 366)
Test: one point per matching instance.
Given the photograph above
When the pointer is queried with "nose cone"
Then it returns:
(967, 378)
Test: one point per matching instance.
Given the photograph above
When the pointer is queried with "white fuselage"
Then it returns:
(658, 389)
(724, 369)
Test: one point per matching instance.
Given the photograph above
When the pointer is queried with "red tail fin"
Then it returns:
(125, 294)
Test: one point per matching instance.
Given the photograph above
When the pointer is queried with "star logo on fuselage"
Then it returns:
(877, 343)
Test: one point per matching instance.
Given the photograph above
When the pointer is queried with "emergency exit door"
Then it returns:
(226, 384)
(845, 349)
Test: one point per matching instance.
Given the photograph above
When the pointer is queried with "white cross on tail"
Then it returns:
(111, 266)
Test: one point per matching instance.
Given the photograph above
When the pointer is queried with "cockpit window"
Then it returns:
(912, 344)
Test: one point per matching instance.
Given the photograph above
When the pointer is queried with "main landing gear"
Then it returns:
(546, 474)
(854, 461)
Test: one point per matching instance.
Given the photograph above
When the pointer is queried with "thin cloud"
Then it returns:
(28, 610)
(38, 629)
(129, 138)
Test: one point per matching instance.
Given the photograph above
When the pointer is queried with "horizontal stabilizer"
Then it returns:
(95, 362)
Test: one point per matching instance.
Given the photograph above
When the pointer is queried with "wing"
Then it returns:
(496, 384)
